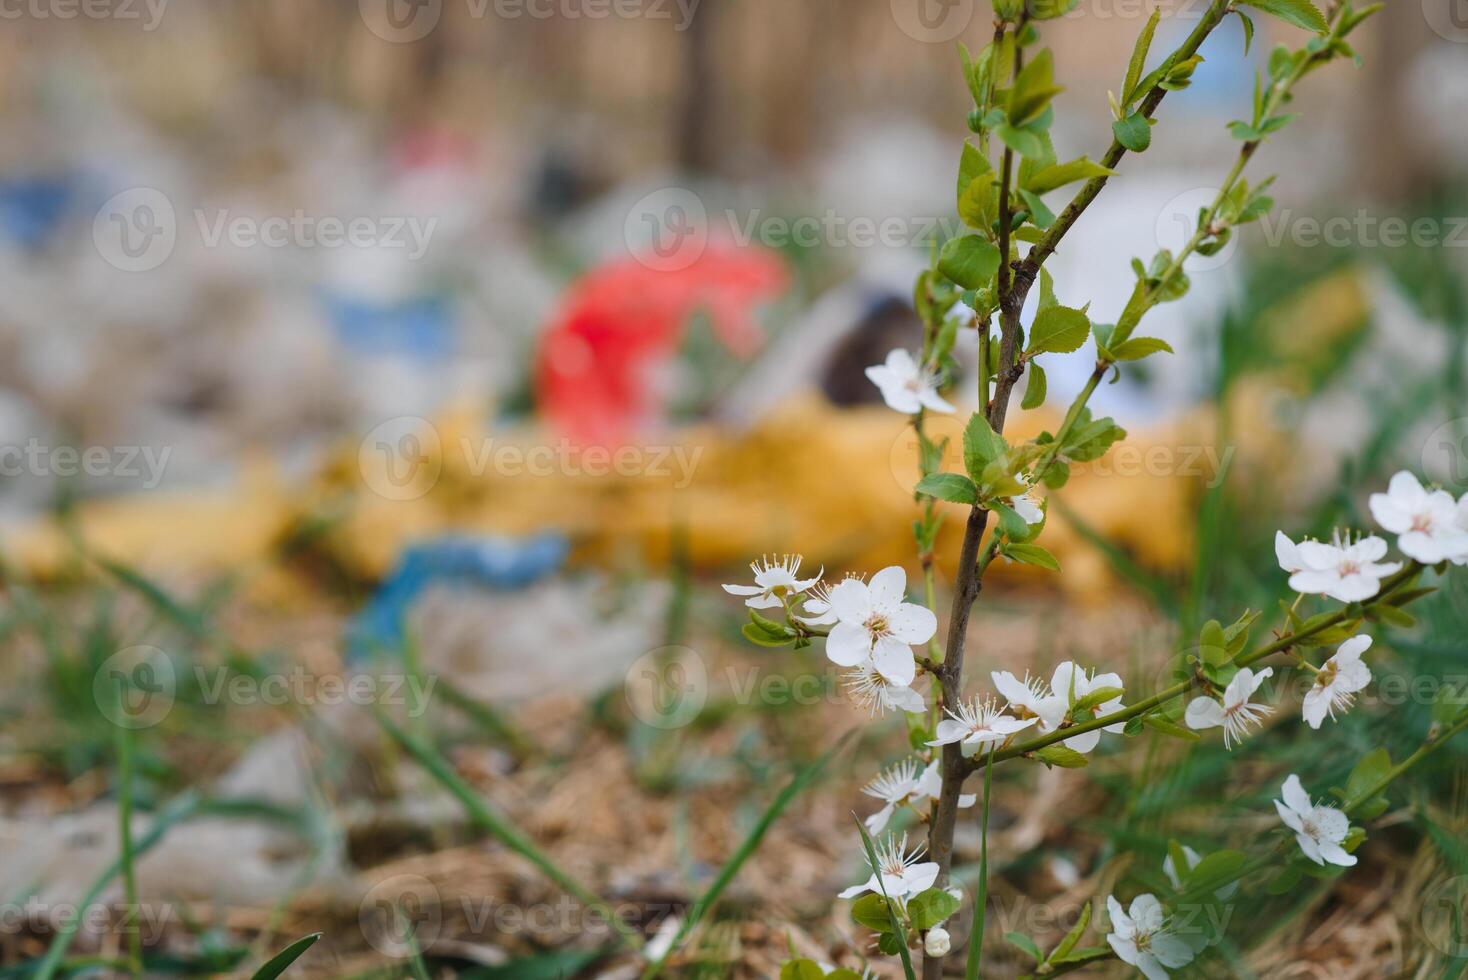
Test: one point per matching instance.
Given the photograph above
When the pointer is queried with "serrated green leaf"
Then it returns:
(981, 445)
(1058, 330)
(1301, 13)
(930, 908)
(759, 637)
(1139, 347)
(970, 261)
(1035, 388)
(1161, 724)
(1060, 755)
(953, 487)
(1058, 175)
(872, 911)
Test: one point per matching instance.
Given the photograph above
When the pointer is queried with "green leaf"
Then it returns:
(1283, 882)
(981, 445)
(1133, 132)
(1058, 175)
(756, 635)
(1033, 89)
(1040, 215)
(1032, 554)
(970, 261)
(1301, 13)
(1370, 771)
(1161, 724)
(280, 961)
(1139, 347)
(1059, 330)
(1074, 936)
(953, 487)
(1049, 9)
(1027, 944)
(1035, 389)
(971, 164)
(1010, 523)
(1060, 755)
(873, 912)
(1248, 30)
(1025, 142)
(1139, 55)
(1215, 870)
(930, 908)
(1097, 698)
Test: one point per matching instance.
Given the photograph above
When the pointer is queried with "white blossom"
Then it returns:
(1030, 698)
(815, 609)
(977, 723)
(902, 873)
(1236, 713)
(907, 386)
(1337, 682)
(1142, 937)
(1346, 570)
(878, 694)
(773, 581)
(1071, 683)
(902, 785)
(1318, 829)
(1425, 521)
(875, 626)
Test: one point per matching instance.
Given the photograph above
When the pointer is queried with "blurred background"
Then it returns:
(458, 349)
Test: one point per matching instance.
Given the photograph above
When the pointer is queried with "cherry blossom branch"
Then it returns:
(1030, 267)
(1389, 588)
(1271, 857)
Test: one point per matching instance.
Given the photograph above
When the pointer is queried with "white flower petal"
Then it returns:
(848, 645)
(888, 588)
(1203, 712)
(912, 623)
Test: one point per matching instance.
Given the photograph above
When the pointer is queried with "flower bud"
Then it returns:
(936, 942)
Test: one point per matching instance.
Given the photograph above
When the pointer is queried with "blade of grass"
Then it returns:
(981, 891)
(280, 961)
(746, 849)
(125, 832)
(485, 818)
(494, 724)
(866, 842)
(180, 809)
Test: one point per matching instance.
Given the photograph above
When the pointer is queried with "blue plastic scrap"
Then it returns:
(494, 563)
